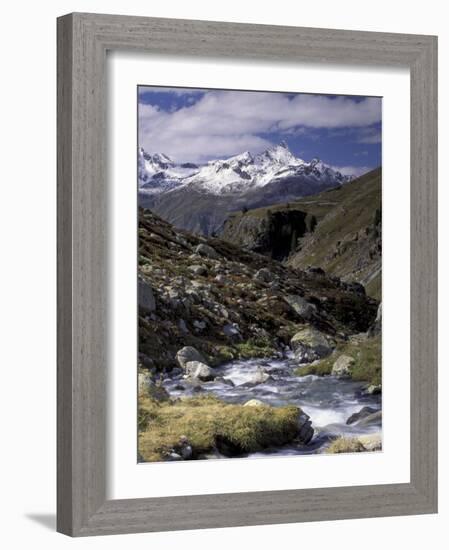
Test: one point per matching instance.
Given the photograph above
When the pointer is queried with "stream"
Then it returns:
(329, 401)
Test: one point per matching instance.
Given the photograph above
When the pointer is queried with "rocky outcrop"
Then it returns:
(273, 231)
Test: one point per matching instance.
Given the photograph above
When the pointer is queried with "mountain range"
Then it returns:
(200, 197)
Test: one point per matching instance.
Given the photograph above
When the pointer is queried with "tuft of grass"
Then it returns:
(367, 365)
(255, 347)
(346, 445)
(203, 419)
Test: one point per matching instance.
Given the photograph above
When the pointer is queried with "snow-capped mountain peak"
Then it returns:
(235, 175)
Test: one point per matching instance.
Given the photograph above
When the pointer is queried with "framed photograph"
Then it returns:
(247, 274)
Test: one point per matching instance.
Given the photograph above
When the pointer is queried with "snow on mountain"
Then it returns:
(235, 175)
(157, 173)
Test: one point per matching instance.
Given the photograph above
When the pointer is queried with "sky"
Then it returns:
(194, 125)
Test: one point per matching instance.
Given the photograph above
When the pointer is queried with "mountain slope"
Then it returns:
(343, 234)
(200, 198)
(225, 302)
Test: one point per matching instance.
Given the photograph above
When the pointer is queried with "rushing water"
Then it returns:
(329, 401)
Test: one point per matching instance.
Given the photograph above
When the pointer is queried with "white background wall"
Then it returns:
(27, 289)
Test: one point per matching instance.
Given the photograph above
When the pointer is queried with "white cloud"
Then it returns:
(224, 123)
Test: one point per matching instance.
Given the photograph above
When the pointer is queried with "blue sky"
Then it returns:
(192, 125)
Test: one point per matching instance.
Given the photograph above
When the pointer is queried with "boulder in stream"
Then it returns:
(310, 344)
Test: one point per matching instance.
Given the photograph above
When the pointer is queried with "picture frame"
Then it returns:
(83, 41)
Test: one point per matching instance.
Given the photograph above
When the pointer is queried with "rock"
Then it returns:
(305, 430)
(188, 354)
(254, 403)
(363, 412)
(146, 296)
(376, 327)
(198, 269)
(220, 278)
(198, 370)
(310, 344)
(208, 251)
(173, 457)
(302, 307)
(232, 331)
(264, 275)
(373, 389)
(371, 442)
(374, 419)
(184, 448)
(182, 326)
(260, 377)
(199, 325)
(151, 389)
(342, 366)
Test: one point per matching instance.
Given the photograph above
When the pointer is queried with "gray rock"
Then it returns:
(302, 307)
(199, 371)
(199, 325)
(374, 419)
(232, 331)
(254, 403)
(264, 275)
(146, 296)
(305, 430)
(187, 354)
(310, 344)
(373, 389)
(363, 412)
(182, 326)
(342, 366)
(260, 377)
(200, 270)
(207, 251)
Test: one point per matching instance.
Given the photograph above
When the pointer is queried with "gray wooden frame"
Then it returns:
(83, 40)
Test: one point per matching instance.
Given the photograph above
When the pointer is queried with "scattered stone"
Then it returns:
(197, 269)
(232, 331)
(363, 412)
(374, 419)
(173, 457)
(146, 296)
(264, 275)
(342, 366)
(208, 251)
(199, 371)
(199, 325)
(187, 354)
(373, 389)
(260, 377)
(302, 307)
(254, 403)
(310, 344)
(182, 326)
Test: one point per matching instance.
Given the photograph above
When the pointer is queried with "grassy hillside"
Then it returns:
(344, 238)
